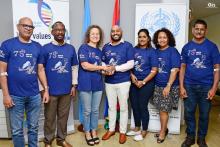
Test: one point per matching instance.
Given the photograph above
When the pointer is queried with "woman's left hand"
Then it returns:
(140, 84)
(166, 91)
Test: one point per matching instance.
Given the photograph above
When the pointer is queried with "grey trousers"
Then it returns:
(56, 113)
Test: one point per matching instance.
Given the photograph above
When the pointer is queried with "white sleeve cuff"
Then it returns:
(125, 67)
(75, 74)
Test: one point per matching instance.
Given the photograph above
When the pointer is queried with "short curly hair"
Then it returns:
(171, 39)
(87, 34)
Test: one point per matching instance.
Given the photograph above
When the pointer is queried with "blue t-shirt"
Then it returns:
(22, 60)
(168, 59)
(58, 62)
(117, 55)
(89, 80)
(199, 60)
(144, 60)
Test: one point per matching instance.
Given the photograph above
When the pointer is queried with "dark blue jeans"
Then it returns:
(197, 95)
(139, 98)
(32, 106)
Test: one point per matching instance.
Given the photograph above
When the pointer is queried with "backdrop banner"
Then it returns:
(43, 13)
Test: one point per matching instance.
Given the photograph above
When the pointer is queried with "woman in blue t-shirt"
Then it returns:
(166, 93)
(142, 87)
(90, 84)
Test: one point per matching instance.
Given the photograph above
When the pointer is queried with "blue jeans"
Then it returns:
(139, 98)
(90, 102)
(32, 106)
(80, 109)
(197, 95)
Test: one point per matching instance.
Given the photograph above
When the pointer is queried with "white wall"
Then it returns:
(213, 23)
(6, 25)
(214, 28)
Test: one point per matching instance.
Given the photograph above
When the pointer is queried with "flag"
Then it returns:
(87, 17)
(116, 13)
(116, 21)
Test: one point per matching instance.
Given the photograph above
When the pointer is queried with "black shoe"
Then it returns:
(96, 140)
(159, 140)
(158, 134)
(188, 141)
(90, 142)
(201, 142)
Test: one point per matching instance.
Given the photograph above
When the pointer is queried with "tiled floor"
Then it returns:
(77, 139)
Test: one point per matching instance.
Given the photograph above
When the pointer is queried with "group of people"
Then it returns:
(137, 73)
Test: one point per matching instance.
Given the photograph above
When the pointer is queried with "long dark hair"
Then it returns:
(87, 35)
(171, 39)
(148, 36)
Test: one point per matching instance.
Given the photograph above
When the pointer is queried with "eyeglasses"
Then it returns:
(27, 26)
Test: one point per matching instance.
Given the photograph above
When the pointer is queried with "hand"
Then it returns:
(45, 97)
(104, 72)
(107, 68)
(8, 102)
(166, 91)
(133, 79)
(110, 70)
(140, 84)
(211, 93)
(183, 93)
(107, 73)
(73, 91)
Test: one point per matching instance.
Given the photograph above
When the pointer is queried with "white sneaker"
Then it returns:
(133, 133)
(138, 137)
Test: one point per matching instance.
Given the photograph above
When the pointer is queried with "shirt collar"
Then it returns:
(30, 41)
(200, 42)
(121, 41)
(54, 42)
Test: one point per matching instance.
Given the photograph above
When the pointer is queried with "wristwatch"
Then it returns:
(143, 82)
(168, 84)
(46, 87)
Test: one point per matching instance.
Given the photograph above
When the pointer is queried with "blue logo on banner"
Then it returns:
(159, 19)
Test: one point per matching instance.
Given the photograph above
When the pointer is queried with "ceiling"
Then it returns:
(204, 8)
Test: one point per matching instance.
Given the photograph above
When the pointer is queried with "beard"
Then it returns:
(116, 39)
(59, 39)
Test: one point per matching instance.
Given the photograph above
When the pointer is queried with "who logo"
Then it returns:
(212, 5)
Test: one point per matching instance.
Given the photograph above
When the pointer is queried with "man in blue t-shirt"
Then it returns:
(118, 54)
(19, 73)
(60, 62)
(199, 77)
